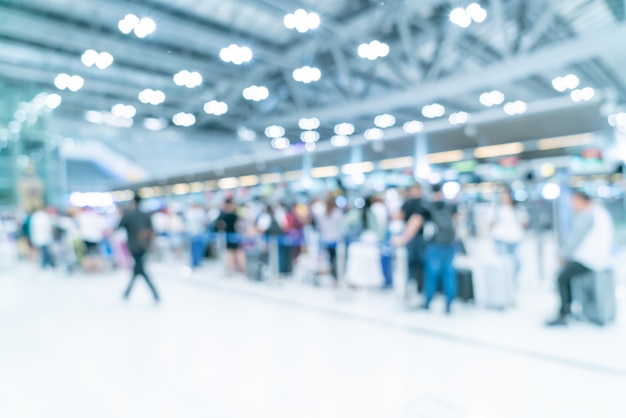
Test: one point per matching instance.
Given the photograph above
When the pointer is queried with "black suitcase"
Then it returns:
(465, 285)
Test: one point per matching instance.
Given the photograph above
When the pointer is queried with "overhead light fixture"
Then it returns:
(567, 82)
(413, 127)
(309, 124)
(491, 98)
(310, 146)
(517, 107)
(309, 136)
(384, 121)
(463, 17)
(307, 74)
(580, 95)
(373, 134)
(53, 101)
(123, 111)
(302, 21)
(71, 82)
(274, 131)
(280, 143)
(292, 175)
(270, 178)
(91, 57)
(184, 119)
(215, 107)
(493, 151)
(344, 129)
(255, 93)
(446, 157)
(394, 163)
(434, 110)
(246, 134)
(236, 54)
(373, 50)
(352, 168)
(189, 79)
(141, 27)
(326, 171)
(565, 141)
(248, 181)
(339, 140)
(181, 189)
(228, 183)
(459, 118)
(153, 97)
(154, 124)
(93, 116)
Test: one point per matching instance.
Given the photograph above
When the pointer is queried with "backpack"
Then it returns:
(440, 227)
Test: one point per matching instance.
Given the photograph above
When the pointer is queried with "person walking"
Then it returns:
(587, 248)
(415, 207)
(329, 223)
(138, 226)
(41, 232)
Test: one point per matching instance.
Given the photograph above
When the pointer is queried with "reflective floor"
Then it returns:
(227, 347)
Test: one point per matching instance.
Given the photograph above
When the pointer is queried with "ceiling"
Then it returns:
(518, 50)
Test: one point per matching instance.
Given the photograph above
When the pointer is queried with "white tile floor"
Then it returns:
(220, 347)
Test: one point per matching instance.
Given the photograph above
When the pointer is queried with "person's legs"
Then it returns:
(571, 270)
(139, 270)
(415, 249)
(240, 260)
(332, 257)
(433, 262)
(197, 250)
(449, 274)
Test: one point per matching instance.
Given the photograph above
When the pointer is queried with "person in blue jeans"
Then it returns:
(438, 222)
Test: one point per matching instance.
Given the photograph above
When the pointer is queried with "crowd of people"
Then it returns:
(423, 221)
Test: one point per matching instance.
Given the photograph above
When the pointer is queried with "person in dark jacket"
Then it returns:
(138, 226)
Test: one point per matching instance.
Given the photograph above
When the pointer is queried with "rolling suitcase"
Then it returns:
(364, 267)
(595, 292)
(499, 282)
(465, 285)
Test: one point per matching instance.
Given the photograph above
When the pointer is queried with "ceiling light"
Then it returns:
(458, 118)
(189, 79)
(280, 143)
(236, 54)
(344, 129)
(434, 110)
(228, 183)
(215, 108)
(585, 94)
(89, 57)
(476, 12)
(310, 146)
(127, 24)
(93, 116)
(401, 162)
(309, 136)
(246, 134)
(307, 74)
(153, 97)
(155, 124)
(274, 131)
(53, 101)
(339, 141)
(565, 141)
(145, 27)
(385, 121)
(373, 134)
(491, 98)
(309, 124)
(568, 82)
(353, 168)
(104, 60)
(326, 171)
(123, 111)
(65, 81)
(413, 127)
(492, 151)
(515, 108)
(446, 157)
(459, 17)
(302, 21)
(373, 50)
(184, 119)
(256, 93)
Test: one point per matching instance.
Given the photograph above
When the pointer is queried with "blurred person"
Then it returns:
(329, 223)
(196, 228)
(160, 223)
(587, 248)
(440, 248)
(68, 238)
(41, 235)
(91, 227)
(361, 220)
(138, 226)
(507, 227)
(414, 208)
(176, 227)
(229, 223)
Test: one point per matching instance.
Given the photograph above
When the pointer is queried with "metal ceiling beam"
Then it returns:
(550, 58)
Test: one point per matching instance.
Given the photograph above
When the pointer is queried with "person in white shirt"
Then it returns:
(587, 248)
(329, 223)
(196, 220)
(507, 227)
(41, 236)
(92, 227)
